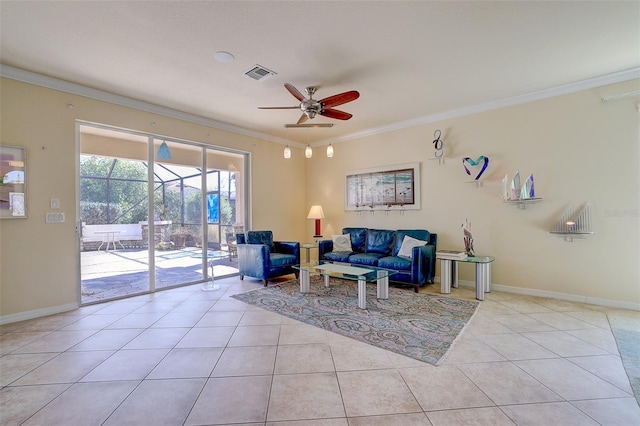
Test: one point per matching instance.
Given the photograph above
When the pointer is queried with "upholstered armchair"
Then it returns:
(261, 257)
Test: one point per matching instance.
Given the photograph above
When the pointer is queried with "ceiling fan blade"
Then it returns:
(339, 99)
(293, 107)
(336, 113)
(295, 92)
(302, 119)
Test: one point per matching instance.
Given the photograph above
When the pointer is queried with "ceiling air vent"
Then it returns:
(258, 72)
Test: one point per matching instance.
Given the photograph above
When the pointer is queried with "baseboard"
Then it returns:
(37, 313)
(557, 295)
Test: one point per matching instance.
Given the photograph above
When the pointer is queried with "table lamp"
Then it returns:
(317, 214)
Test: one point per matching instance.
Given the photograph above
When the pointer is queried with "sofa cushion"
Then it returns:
(342, 242)
(338, 256)
(369, 259)
(408, 243)
(395, 263)
(380, 241)
(358, 238)
(278, 260)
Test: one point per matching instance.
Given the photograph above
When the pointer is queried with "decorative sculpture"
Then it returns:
(482, 159)
(438, 144)
(528, 190)
(468, 238)
(515, 186)
(515, 192)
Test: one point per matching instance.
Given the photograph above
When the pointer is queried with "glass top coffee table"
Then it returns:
(346, 271)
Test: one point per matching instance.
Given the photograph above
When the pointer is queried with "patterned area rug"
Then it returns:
(416, 325)
(626, 331)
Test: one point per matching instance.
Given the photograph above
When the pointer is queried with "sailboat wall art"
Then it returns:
(515, 192)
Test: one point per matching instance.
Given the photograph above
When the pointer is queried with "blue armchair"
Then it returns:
(261, 257)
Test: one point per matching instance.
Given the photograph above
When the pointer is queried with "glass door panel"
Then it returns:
(112, 210)
(178, 216)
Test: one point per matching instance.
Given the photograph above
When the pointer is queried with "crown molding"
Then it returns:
(617, 77)
(76, 89)
(100, 95)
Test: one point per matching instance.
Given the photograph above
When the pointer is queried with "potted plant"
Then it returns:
(179, 235)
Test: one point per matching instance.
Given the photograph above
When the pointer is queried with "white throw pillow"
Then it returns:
(406, 249)
(342, 242)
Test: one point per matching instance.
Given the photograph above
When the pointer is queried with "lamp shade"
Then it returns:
(308, 152)
(330, 151)
(316, 213)
(287, 152)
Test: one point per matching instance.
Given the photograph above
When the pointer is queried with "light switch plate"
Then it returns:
(54, 217)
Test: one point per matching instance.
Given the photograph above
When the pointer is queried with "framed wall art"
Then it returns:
(383, 188)
(13, 185)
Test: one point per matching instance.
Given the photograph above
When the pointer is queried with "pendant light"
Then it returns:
(330, 151)
(308, 152)
(287, 152)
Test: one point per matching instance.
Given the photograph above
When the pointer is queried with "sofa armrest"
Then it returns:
(288, 247)
(324, 246)
(253, 260)
(423, 266)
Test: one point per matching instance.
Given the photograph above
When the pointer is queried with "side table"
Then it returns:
(308, 248)
(449, 274)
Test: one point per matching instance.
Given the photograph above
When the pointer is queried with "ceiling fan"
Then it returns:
(310, 107)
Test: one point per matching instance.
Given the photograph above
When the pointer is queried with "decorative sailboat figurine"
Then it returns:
(515, 193)
(515, 186)
(528, 190)
(574, 225)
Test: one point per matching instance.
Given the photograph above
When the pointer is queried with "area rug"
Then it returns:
(626, 331)
(417, 325)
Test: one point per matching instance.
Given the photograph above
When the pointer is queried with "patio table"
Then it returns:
(211, 255)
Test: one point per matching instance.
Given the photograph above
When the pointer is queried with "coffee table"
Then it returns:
(449, 274)
(346, 271)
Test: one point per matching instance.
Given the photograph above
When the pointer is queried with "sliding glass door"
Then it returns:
(154, 213)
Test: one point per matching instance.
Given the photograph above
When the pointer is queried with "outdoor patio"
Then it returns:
(117, 273)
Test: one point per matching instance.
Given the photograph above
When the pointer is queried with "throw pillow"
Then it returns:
(342, 242)
(406, 249)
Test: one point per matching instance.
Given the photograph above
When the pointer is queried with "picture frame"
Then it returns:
(13, 182)
(383, 188)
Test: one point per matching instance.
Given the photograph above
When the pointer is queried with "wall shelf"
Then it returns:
(570, 236)
(522, 204)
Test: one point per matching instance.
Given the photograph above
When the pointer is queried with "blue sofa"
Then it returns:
(380, 247)
(261, 257)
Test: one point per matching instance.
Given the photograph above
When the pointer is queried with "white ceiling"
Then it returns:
(408, 59)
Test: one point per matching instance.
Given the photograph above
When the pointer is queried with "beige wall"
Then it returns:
(38, 261)
(579, 150)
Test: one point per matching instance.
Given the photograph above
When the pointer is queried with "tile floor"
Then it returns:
(187, 357)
